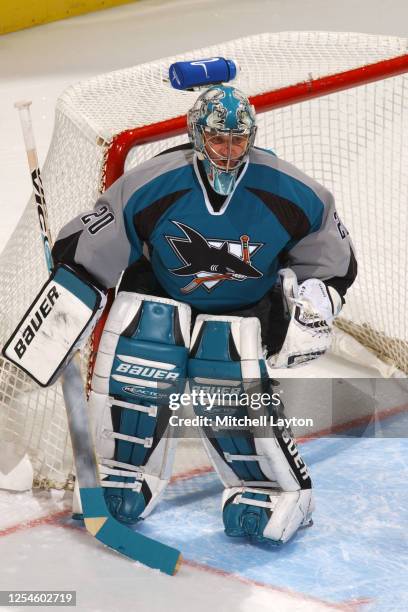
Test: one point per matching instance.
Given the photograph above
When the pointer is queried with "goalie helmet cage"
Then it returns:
(316, 108)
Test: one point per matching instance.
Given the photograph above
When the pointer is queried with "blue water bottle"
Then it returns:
(202, 72)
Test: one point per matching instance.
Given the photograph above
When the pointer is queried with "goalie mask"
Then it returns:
(222, 129)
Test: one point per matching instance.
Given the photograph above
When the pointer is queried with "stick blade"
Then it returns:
(105, 528)
(138, 547)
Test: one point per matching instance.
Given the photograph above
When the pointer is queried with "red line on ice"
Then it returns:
(50, 519)
(365, 420)
(348, 606)
(55, 518)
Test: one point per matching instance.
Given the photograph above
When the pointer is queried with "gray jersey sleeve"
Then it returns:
(99, 240)
(326, 252)
(103, 242)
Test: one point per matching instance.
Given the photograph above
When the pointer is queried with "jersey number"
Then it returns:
(341, 229)
(100, 219)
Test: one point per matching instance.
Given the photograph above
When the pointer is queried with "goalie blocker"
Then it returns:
(55, 326)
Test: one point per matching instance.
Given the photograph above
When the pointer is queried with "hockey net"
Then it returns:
(316, 109)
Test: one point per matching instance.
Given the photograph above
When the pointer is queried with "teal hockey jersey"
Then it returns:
(214, 259)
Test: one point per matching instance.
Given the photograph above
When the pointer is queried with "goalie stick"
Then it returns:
(98, 521)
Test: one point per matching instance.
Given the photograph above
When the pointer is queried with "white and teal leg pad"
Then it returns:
(268, 491)
(142, 359)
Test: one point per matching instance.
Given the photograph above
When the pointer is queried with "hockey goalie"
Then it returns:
(247, 264)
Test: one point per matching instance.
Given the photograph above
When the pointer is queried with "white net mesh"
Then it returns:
(352, 142)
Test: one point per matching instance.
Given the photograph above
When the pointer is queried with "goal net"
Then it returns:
(316, 109)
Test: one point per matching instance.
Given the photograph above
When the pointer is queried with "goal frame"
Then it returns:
(122, 143)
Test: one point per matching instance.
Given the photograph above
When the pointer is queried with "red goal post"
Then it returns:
(293, 94)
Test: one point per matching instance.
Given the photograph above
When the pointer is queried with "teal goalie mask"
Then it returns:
(222, 128)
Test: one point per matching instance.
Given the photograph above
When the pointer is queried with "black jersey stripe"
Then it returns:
(64, 249)
(289, 214)
(145, 220)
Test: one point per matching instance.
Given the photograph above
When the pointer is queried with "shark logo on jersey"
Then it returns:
(212, 261)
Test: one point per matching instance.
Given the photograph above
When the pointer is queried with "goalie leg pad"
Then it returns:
(253, 463)
(141, 360)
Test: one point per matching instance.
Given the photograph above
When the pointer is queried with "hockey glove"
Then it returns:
(312, 308)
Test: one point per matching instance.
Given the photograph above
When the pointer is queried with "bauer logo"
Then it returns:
(32, 324)
(146, 372)
(218, 390)
(300, 466)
